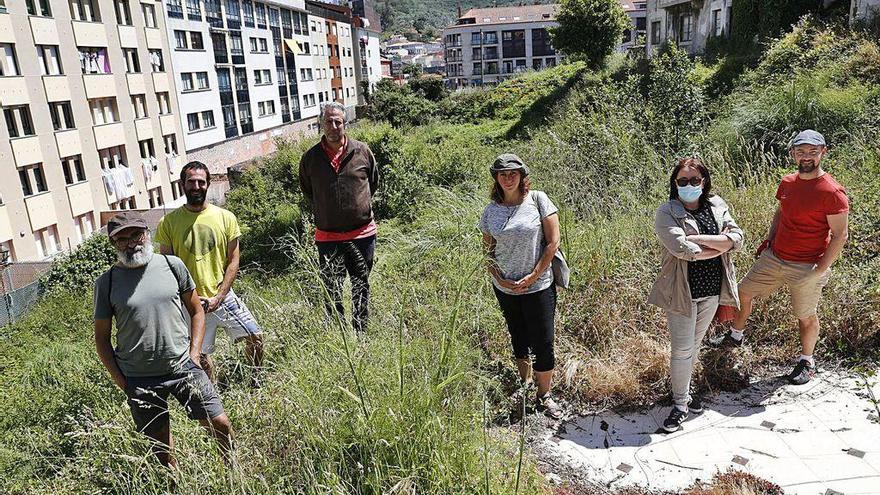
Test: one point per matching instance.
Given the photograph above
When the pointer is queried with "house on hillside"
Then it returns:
(689, 23)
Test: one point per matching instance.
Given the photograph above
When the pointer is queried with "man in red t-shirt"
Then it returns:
(808, 232)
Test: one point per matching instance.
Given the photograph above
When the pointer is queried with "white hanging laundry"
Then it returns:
(107, 177)
(148, 169)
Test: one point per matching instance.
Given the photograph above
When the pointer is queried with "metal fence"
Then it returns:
(20, 286)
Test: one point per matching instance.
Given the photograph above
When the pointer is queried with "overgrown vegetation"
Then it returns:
(408, 409)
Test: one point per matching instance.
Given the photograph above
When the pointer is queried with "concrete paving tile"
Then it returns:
(873, 459)
(860, 486)
(866, 439)
(759, 443)
(840, 466)
(781, 471)
(813, 443)
(815, 488)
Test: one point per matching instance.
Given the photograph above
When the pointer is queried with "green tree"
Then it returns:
(676, 102)
(589, 29)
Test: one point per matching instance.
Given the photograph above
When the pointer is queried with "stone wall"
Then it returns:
(242, 149)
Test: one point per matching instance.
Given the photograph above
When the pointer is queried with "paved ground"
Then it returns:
(819, 438)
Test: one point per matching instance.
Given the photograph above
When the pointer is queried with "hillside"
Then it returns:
(423, 405)
(428, 18)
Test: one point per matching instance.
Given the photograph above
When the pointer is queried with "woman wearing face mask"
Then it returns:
(696, 275)
(520, 236)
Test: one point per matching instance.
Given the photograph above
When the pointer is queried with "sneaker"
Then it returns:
(548, 406)
(695, 406)
(674, 420)
(725, 340)
(802, 373)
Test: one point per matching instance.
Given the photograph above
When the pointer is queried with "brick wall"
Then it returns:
(221, 156)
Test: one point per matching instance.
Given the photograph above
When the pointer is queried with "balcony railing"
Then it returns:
(671, 3)
(453, 43)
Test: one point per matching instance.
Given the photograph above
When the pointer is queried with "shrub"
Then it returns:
(77, 271)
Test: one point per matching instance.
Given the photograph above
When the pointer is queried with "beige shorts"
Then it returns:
(770, 273)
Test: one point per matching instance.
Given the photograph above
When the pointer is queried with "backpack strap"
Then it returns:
(176, 278)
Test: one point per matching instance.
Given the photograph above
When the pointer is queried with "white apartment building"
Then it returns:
(90, 119)
(367, 59)
(637, 11)
(333, 34)
(486, 46)
(689, 24)
(241, 67)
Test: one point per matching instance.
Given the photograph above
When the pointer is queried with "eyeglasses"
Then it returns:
(127, 241)
(694, 181)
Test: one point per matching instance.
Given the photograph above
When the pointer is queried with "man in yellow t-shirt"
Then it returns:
(206, 238)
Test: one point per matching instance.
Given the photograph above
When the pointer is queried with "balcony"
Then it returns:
(41, 210)
(80, 197)
(454, 58)
(167, 124)
(69, 142)
(231, 131)
(154, 38)
(26, 150)
(143, 128)
(7, 35)
(160, 82)
(137, 84)
(128, 36)
(89, 33)
(663, 4)
(99, 85)
(44, 30)
(453, 44)
(13, 91)
(109, 135)
(5, 226)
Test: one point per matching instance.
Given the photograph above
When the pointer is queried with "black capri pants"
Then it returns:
(530, 320)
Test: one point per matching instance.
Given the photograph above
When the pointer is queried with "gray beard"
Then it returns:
(138, 258)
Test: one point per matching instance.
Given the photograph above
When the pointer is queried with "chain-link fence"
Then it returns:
(20, 286)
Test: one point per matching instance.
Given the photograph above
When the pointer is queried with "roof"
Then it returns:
(507, 15)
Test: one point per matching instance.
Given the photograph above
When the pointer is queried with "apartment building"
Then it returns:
(690, 24)
(334, 36)
(90, 119)
(486, 46)
(367, 55)
(245, 74)
(637, 11)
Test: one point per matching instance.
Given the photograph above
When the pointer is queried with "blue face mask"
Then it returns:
(689, 193)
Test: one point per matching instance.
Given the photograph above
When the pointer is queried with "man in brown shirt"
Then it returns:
(338, 176)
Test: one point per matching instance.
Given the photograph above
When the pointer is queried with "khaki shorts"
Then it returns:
(770, 273)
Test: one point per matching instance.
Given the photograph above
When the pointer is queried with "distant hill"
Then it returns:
(427, 18)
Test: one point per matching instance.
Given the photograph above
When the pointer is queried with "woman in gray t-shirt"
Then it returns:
(520, 235)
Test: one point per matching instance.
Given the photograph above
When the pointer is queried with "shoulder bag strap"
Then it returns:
(172, 273)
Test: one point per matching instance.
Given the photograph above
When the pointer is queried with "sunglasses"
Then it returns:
(694, 181)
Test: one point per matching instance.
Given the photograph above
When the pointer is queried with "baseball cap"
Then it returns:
(808, 136)
(508, 161)
(125, 220)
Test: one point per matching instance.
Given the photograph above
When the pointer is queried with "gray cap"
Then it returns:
(808, 137)
(125, 220)
(508, 161)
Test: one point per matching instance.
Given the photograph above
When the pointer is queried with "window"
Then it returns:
(264, 45)
(33, 180)
(253, 45)
(208, 118)
(164, 103)
(147, 150)
(262, 76)
(50, 62)
(132, 61)
(266, 108)
(175, 9)
(156, 197)
(233, 14)
(104, 110)
(149, 11)
(112, 157)
(655, 33)
(18, 121)
(717, 27)
(176, 189)
(196, 42)
(139, 102)
(202, 80)
(224, 81)
(47, 241)
(84, 226)
(261, 16)
(228, 116)
(235, 45)
(39, 7)
(240, 79)
(94, 60)
(541, 43)
(247, 8)
(123, 13)
(280, 75)
(305, 74)
(244, 113)
(180, 40)
(686, 27)
(186, 81)
(193, 10)
(170, 142)
(274, 19)
(513, 43)
(157, 61)
(62, 115)
(85, 10)
(73, 169)
(8, 60)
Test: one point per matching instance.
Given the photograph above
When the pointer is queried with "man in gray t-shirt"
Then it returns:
(157, 345)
